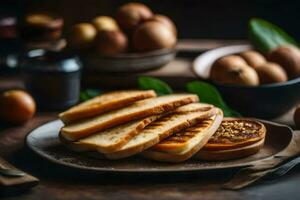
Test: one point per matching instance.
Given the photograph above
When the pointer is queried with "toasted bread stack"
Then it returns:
(104, 103)
(121, 124)
(184, 144)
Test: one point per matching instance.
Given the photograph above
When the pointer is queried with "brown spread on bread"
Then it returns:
(236, 133)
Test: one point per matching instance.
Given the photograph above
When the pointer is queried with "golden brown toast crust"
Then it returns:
(192, 119)
(104, 103)
(71, 133)
(141, 124)
(165, 156)
(192, 107)
(180, 139)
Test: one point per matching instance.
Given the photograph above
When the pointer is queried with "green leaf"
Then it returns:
(149, 83)
(266, 36)
(209, 94)
(92, 92)
(88, 94)
(228, 112)
(84, 96)
(206, 92)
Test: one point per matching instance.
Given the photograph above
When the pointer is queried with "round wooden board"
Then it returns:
(44, 141)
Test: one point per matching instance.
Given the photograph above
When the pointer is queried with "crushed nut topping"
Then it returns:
(235, 131)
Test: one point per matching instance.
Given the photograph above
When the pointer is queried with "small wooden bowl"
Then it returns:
(130, 62)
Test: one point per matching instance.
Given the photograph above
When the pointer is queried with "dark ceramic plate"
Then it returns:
(264, 101)
(130, 62)
(44, 141)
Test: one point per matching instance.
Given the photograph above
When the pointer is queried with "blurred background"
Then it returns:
(194, 19)
(225, 19)
(115, 59)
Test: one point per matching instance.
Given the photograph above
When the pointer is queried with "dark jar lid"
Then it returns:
(44, 61)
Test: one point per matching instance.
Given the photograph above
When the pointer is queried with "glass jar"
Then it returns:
(53, 78)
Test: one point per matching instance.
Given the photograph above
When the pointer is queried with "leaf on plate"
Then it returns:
(266, 36)
(159, 86)
(209, 94)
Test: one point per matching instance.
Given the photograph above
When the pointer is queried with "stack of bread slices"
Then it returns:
(121, 124)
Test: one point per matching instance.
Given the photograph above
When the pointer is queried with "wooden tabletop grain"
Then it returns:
(57, 182)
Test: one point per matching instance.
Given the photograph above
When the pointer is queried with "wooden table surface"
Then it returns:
(57, 182)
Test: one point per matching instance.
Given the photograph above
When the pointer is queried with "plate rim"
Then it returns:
(133, 171)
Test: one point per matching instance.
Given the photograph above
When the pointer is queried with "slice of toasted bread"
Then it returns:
(184, 144)
(104, 103)
(160, 129)
(137, 110)
(182, 140)
(194, 107)
(110, 140)
(229, 154)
